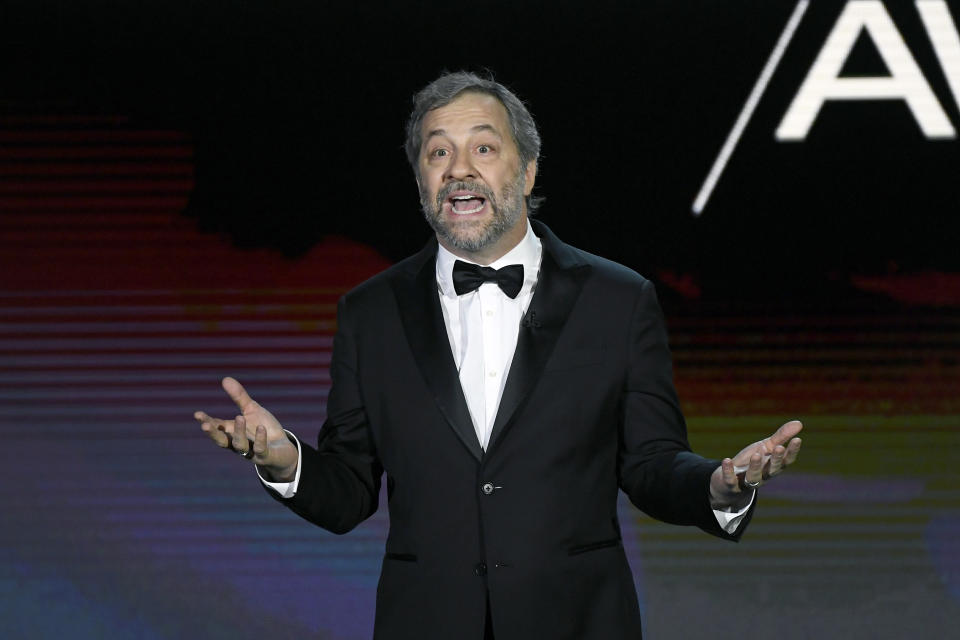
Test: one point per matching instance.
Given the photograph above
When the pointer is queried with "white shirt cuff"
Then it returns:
(729, 520)
(286, 489)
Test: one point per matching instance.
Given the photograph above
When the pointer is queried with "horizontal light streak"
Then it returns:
(276, 292)
(105, 360)
(95, 137)
(197, 309)
(212, 342)
(109, 153)
(82, 187)
(119, 416)
(97, 170)
(147, 377)
(157, 394)
(148, 327)
(100, 203)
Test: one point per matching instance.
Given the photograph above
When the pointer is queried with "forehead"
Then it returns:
(468, 111)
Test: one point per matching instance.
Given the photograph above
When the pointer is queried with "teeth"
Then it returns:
(463, 197)
(474, 210)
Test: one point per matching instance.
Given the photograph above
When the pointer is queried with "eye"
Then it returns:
(438, 153)
(484, 148)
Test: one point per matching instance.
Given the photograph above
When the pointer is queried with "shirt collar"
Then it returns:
(527, 253)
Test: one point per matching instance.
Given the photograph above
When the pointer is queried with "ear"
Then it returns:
(530, 176)
(416, 177)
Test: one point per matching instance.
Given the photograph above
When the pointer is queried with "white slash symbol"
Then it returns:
(748, 108)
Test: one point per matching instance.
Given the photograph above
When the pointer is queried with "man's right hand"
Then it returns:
(257, 428)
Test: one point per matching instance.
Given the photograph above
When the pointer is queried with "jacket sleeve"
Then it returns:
(656, 468)
(340, 479)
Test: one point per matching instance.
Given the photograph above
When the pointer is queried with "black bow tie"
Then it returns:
(468, 277)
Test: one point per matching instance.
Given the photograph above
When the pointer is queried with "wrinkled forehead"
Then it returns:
(470, 112)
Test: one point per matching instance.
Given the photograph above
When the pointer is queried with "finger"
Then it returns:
(260, 443)
(216, 433)
(237, 393)
(754, 472)
(793, 450)
(216, 422)
(243, 429)
(744, 457)
(239, 441)
(730, 475)
(785, 432)
(776, 461)
(201, 417)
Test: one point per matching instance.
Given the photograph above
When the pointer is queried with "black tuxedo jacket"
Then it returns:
(588, 407)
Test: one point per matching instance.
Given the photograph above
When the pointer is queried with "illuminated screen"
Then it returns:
(818, 280)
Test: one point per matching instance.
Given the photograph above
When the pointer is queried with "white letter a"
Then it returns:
(906, 81)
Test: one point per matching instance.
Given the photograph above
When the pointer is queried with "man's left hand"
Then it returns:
(732, 482)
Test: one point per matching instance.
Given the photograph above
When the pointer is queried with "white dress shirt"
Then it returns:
(482, 327)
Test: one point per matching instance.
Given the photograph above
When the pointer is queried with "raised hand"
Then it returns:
(255, 434)
(732, 482)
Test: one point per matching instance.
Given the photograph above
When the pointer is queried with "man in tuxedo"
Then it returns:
(508, 385)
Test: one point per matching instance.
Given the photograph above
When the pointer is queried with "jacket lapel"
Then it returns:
(561, 278)
(419, 303)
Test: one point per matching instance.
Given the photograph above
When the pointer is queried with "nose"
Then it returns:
(460, 168)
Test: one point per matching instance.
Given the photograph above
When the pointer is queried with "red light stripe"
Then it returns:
(97, 137)
(104, 152)
(100, 186)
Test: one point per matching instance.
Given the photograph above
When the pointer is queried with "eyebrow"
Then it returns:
(474, 129)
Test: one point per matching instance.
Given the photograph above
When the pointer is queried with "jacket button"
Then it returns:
(480, 568)
(487, 488)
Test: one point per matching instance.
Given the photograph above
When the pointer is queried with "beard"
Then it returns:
(475, 235)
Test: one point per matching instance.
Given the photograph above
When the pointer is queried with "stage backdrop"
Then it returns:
(186, 191)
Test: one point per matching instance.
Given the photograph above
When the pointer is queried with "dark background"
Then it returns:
(296, 111)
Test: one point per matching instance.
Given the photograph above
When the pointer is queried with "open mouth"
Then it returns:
(464, 204)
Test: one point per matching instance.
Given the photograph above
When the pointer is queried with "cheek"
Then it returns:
(428, 194)
(430, 183)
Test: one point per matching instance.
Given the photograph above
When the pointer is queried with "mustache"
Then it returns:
(474, 187)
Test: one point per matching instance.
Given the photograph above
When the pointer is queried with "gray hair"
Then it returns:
(446, 89)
